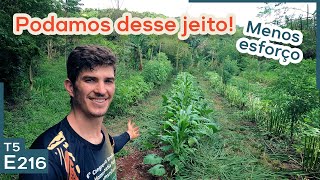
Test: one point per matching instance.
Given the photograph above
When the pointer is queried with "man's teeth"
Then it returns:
(99, 100)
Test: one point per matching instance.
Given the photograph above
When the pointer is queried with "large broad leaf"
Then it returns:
(157, 170)
(152, 159)
(166, 148)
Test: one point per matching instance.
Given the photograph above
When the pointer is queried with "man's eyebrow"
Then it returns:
(93, 77)
(110, 78)
(89, 77)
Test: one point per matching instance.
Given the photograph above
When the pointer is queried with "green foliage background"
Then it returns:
(283, 101)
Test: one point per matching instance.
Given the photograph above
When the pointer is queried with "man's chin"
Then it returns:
(98, 115)
(98, 112)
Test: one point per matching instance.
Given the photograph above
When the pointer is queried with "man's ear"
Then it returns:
(69, 87)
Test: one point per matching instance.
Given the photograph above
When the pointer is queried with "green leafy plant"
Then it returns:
(152, 159)
(215, 81)
(158, 168)
(129, 90)
(157, 71)
(185, 123)
(311, 154)
(235, 96)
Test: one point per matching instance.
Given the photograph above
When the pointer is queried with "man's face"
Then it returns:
(94, 90)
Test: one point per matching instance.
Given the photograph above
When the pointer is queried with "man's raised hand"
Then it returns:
(133, 130)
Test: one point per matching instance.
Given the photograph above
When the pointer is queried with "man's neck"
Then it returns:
(88, 128)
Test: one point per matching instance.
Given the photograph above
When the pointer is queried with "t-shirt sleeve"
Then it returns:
(54, 170)
(120, 141)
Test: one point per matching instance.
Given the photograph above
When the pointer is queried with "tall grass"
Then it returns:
(280, 101)
(227, 158)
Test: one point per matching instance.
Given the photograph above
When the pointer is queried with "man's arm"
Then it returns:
(121, 140)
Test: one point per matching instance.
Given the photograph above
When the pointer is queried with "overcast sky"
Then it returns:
(174, 8)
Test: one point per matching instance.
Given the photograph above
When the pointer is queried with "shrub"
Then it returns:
(215, 81)
(312, 118)
(157, 71)
(235, 96)
(128, 92)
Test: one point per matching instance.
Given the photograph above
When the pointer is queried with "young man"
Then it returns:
(80, 146)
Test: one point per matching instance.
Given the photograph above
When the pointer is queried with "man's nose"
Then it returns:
(101, 88)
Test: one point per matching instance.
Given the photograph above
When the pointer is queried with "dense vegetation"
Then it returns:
(282, 101)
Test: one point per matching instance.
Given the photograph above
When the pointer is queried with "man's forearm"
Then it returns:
(120, 141)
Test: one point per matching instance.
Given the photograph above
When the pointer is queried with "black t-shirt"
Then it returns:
(72, 157)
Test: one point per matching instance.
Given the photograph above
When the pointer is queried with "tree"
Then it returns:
(19, 53)
(136, 42)
(301, 19)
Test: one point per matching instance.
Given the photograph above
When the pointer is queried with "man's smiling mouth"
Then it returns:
(99, 100)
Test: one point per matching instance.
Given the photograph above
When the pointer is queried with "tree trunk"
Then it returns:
(140, 57)
(49, 48)
(300, 23)
(307, 16)
(30, 76)
(212, 53)
(159, 48)
(151, 54)
(177, 59)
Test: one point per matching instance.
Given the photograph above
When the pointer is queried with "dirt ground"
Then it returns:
(131, 167)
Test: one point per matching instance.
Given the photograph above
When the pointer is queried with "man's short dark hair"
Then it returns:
(87, 58)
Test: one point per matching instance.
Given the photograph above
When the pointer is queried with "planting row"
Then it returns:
(282, 114)
(185, 123)
(134, 86)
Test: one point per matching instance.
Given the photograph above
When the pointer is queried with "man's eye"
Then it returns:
(89, 80)
(109, 81)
